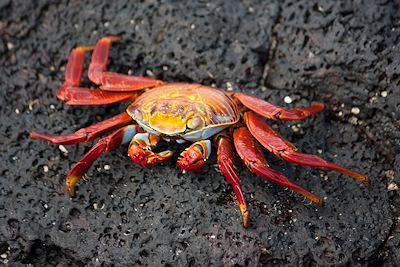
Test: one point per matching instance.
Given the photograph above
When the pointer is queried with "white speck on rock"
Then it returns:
(392, 187)
(63, 149)
(287, 99)
(10, 45)
(390, 174)
(295, 128)
(229, 86)
(355, 110)
(353, 120)
(150, 73)
(45, 168)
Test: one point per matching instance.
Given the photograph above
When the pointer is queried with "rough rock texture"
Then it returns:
(340, 52)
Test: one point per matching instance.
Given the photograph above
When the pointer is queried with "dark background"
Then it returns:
(343, 53)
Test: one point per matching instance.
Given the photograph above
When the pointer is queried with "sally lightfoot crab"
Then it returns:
(184, 113)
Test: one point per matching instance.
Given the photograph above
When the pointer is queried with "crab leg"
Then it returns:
(140, 150)
(111, 81)
(287, 151)
(72, 94)
(86, 134)
(106, 144)
(253, 158)
(76, 96)
(275, 112)
(226, 165)
(195, 156)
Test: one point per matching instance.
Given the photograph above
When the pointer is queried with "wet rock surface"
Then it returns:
(342, 53)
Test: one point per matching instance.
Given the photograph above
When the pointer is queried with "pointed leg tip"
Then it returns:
(359, 177)
(313, 198)
(113, 38)
(245, 215)
(71, 192)
(71, 185)
(41, 136)
(320, 202)
(85, 49)
(33, 135)
(36, 135)
(366, 181)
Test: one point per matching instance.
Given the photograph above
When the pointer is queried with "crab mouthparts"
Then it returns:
(167, 124)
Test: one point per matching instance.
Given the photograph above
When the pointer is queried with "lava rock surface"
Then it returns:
(344, 53)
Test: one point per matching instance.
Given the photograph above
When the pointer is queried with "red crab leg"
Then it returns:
(277, 113)
(140, 150)
(106, 144)
(72, 94)
(111, 81)
(253, 158)
(287, 151)
(77, 96)
(226, 165)
(86, 134)
(195, 156)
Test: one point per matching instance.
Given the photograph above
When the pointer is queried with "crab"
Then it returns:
(203, 116)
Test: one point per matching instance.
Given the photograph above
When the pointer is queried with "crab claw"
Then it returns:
(145, 157)
(140, 151)
(195, 156)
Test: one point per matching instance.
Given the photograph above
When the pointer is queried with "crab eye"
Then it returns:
(138, 114)
(194, 123)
